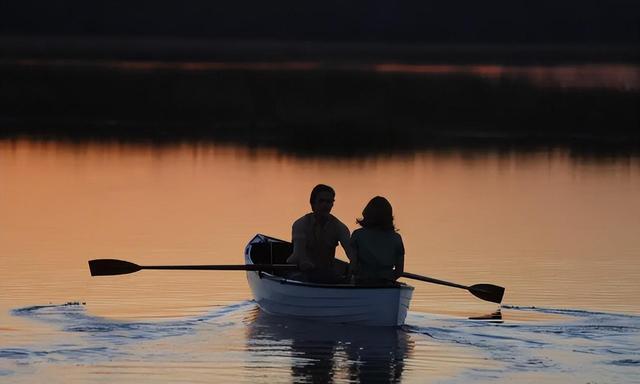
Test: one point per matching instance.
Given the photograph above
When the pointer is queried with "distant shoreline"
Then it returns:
(121, 133)
(318, 109)
(175, 49)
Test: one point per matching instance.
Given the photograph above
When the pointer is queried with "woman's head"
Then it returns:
(377, 214)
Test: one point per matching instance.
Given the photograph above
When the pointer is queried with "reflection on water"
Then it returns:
(494, 317)
(324, 353)
(238, 343)
(545, 225)
(558, 231)
(235, 343)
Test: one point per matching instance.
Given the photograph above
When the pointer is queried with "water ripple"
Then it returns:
(72, 317)
(102, 339)
(576, 346)
(586, 338)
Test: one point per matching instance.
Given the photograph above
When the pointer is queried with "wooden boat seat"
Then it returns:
(271, 253)
(278, 252)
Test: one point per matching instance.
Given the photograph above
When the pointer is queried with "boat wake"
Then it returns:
(568, 346)
(577, 346)
(72, 317)
(84, 339)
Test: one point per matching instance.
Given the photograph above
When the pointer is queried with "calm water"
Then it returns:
(560, 233)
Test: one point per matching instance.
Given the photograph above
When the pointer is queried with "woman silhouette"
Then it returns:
(378, 251)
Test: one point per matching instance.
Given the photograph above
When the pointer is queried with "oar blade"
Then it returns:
(488, 292)
(109, 267)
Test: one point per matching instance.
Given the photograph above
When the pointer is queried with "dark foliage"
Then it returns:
(339, 110)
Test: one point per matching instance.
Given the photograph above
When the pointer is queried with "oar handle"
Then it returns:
(432, 280)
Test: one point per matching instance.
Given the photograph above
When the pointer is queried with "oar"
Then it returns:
(488, 292)
(108, 267)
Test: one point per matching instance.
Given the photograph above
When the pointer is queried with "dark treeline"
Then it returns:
(423, 21)
(140, 49)
(337, 110)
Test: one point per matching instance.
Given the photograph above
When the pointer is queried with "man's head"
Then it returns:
(321, 199)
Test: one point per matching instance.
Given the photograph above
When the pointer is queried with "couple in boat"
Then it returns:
(375, 251)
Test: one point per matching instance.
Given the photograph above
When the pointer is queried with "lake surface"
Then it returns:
(560, 232)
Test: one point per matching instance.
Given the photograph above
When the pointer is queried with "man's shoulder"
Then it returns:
(337, 221)
(300, 227)
(303, 221)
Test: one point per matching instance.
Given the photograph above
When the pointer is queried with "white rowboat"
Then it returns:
(334, 303)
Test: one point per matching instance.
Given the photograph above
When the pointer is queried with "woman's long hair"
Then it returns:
(377, 214)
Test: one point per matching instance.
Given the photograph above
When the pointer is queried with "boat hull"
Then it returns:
(333, 303)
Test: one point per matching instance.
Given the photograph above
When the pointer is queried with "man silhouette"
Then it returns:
(315, 237)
